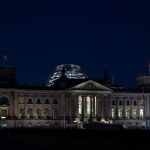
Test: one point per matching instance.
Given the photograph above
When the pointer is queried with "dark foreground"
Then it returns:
(42, 139)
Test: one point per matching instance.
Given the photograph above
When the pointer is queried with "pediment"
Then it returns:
(90, 85)
(3, 105)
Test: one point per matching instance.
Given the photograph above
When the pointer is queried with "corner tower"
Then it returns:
(7, 76)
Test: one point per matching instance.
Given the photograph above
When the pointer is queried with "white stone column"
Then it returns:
(91, 109)
(147, 111)
(93, 112)
(83, 106)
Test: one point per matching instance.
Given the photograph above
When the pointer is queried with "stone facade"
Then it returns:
(29, 107)
(70, 103)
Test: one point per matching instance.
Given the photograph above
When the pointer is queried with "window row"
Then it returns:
(38, 101)
(128, 114)
(126, 103)
(37, 114)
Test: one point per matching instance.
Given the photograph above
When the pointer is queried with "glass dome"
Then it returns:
(71, 71)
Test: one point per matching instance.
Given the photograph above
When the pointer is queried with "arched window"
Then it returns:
(4, 100)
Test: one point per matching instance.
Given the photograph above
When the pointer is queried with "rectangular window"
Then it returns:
(113, 102)
(3, 113)
(46, 101)
(55, 101)
(120, 102)
(38, 101)
(134, 103)
(134, 114)
(128, 103)
(141, 113)
(113, 113)
(119, 113)
(127, 114)
(30, 101)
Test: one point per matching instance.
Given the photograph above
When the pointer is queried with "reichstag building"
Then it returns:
(69, 99)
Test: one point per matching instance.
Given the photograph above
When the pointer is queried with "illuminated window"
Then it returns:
(88, 105)
(141, 113)
(119, 113)
(134, 113)
(127, 113)
(142, 102)
(3, 113)
(80, 105)
(113, 113)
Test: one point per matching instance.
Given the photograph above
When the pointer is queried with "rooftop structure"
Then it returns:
(68, 71)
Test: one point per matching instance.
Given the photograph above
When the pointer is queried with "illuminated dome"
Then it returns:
(70, 71)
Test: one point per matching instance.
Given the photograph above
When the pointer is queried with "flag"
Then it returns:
(5, 57)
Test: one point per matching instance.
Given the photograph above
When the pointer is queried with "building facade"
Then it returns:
(70, 103)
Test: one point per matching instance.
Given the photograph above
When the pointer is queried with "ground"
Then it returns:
(46, 139)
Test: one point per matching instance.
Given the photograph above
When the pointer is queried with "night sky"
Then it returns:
(39, 35)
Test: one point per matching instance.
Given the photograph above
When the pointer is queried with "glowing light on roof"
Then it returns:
(71, 72)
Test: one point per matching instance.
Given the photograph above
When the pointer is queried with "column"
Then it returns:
(94, 105)
(102, 106)
(138, 108)
(91, 107)
(43, 107)
(25, 104)
(83, 106)
(116, 111)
